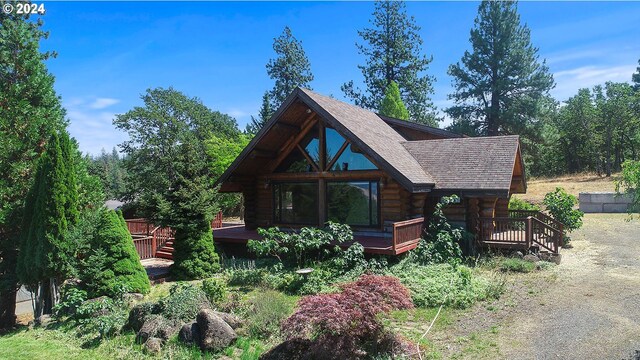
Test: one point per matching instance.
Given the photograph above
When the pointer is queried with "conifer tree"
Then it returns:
(393, 49)
(265, 114)
(46, 254)
(290, 68)
(29, 112)
(635, 78)
(499, 86)
(113, 263)
(392, 104)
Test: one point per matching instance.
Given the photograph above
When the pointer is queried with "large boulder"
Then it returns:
(233, 321)
(139, 314)
(153, 346)
(215, 333)
(190, 334)
(150, 328)
(168, 328)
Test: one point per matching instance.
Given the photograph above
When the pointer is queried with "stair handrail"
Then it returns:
(556, 235)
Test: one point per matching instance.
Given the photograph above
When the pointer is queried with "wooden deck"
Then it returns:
(407, 235)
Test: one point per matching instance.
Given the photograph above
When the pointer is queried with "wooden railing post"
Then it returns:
(153, 245)
(529, 232)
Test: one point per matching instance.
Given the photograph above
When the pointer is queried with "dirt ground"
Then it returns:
(588, 307)
(573, 184)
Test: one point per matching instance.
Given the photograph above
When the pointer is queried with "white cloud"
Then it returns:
(102, 103)
(569, 81)
(237, 113)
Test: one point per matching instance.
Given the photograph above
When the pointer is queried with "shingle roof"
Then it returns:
(480, 163)
(371, 133)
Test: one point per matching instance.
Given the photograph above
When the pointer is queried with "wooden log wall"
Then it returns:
(502, 207)
(264, 203)
(456, 214)
(249, 196)
(395, 201)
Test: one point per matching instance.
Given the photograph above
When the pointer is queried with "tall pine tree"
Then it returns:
(263, 116)
(46, 254)
(392, 104)
(290, 68)
(393, 49)
(500, 85)
(635, 78)
(29, 112)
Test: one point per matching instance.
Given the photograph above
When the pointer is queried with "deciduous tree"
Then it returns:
(171, 177)
(500, 84)
(393, 51)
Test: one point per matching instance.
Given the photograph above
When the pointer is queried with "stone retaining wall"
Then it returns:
(604, 202)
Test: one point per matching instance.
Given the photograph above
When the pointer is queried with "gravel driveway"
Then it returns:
(592, 311)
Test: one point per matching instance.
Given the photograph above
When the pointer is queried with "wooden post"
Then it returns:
(529, 232)
(561, 237)
(153, 245)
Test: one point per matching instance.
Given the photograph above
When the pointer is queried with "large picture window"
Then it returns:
(296, 203)
(354, 203)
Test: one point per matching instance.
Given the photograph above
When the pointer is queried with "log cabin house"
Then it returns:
(319, 159)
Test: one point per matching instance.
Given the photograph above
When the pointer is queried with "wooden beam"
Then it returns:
(309, 159)
(335, 158)
(330, 175)
(308, 124)
(288, 126)
(263, 153)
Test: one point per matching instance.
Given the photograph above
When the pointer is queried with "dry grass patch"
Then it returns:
(573, 184)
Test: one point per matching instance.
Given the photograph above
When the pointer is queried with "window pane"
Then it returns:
(311, 144)
(354, 203)
(295, 163)
(334, 143)
(352, 160)
(296, 203)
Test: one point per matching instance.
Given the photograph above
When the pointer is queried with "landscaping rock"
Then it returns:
(167, 329)
(232, 320)
(531, 258)
(190, 334)
(294, 349)
(44, 320)
(215, 333)
(517, 254)
(153, 346)
(555, 258)
(150, 328)
(139, 314)
(132, 297)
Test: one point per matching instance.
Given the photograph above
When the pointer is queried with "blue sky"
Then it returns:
(111, 52)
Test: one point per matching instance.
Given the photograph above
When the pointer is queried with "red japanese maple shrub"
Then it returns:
(353, 311)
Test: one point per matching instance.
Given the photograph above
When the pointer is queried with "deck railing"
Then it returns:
(522, 229)
(148, 238)
(406, 233)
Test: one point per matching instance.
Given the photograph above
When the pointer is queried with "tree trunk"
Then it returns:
(8, 306)
(8, 281)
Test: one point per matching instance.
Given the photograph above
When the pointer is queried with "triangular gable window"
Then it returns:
(349, 157)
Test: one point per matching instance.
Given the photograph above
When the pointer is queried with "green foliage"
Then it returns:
(298, 247)
(290, 69)
(171, 176)
(113, 262)
(246, 277)
(223, 151)
(30, 112)
(561, 205)
(393, 52)
(519, 204)
(215, 289)
(194, 256)
(264, 115)
(635, 78)
(184, 302)
(517, 265)
(500, 85)
(110, 170)
(266, 311)
(71, 298)
(444, 284)
(392, 104)
(51, 207)
(441, 242)
(100, 319)
(630, 183)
